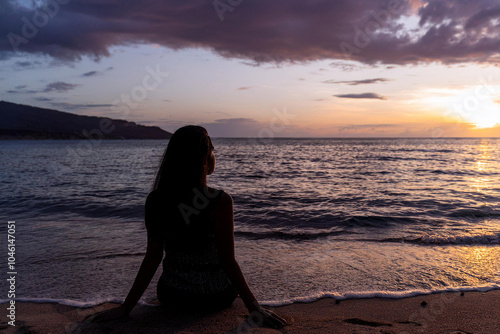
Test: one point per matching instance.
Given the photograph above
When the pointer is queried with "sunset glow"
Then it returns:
(388, 69)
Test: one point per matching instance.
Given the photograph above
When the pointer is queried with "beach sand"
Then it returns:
(472, 312)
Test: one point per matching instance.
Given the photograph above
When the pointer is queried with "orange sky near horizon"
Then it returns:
(421, 73)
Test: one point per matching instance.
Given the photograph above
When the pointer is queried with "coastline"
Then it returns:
(446, 312)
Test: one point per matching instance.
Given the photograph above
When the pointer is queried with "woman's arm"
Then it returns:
(152, 260)
(225, 246)
(154, 252)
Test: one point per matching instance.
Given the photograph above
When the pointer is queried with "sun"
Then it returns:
(476, 105)
(485, 116)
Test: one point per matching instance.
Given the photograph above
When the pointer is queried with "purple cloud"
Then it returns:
(357, 82)
(368, 31)
(361, 96)
(60, 87)
(96, 73)
(90, 74)
(234, 127)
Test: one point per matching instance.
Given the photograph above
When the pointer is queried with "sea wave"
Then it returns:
(85, 207)
(283, 235)
(474, 213)
(488, 238)
(280, 302)
(484, 239)
(378, 294)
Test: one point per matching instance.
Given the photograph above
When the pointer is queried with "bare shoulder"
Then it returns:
(225, 199)
(153, 196)
(224, 206)
(224, 219)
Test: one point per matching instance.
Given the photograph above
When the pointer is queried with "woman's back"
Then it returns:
(192, 269)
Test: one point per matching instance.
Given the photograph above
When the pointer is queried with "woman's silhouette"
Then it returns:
(193, 224)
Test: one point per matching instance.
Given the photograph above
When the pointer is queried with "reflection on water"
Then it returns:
(333, 266)
(484, 165)
(481, 262)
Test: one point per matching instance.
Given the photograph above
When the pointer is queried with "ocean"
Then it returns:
(341, 218)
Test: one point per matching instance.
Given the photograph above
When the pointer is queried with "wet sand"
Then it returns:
(472, 312)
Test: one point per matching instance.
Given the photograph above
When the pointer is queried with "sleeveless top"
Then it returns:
(191, 264)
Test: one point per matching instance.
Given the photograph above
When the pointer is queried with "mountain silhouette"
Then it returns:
(19, 121)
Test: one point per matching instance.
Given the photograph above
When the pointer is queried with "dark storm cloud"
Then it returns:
(361, 96)
(369, 31)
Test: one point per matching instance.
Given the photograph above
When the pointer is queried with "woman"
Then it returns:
(193, 225)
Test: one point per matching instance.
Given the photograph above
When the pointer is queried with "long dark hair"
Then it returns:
(183, 166)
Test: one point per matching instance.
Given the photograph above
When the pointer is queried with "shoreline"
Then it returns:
(272, 303)
(445, 312)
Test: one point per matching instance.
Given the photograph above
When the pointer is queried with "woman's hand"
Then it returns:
(266, 318)
(117, 313)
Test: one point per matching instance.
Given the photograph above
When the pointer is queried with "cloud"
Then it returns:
(95, 73)
(21, 90)
(361, 96)
(23, 63)
(368, 31)
(366, 127)
(76, 106)
(222, 128)
(233, 127)
(347, 66)
(42, 99)
(357, 82)
(59, 87)
(245, 88)
(90, 74)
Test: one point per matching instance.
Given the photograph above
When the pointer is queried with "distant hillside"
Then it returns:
(25, 122)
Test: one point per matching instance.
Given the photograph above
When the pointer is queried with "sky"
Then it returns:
(256, 68)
